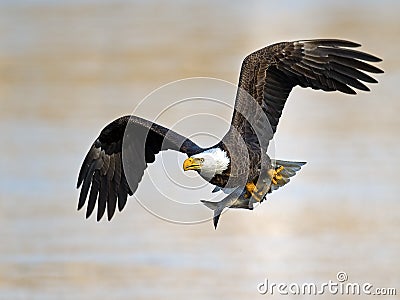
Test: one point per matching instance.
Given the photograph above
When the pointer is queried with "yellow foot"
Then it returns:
(252, 191)
(274, 174)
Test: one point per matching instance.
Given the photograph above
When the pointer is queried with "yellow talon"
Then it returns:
(251, 187)
(274, 174)
(252, 191)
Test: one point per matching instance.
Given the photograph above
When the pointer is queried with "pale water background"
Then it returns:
(68, 68)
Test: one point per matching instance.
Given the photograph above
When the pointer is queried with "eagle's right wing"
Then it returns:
(111, 162)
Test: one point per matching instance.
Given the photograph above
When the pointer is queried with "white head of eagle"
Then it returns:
(208, 163)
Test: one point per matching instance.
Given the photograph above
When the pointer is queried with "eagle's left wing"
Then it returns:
(269, 74)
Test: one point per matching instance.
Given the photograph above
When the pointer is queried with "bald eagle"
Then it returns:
(239, 161)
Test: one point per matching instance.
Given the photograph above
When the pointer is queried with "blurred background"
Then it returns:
(69, 68)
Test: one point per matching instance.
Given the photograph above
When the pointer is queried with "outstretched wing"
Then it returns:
(111, 163)
(269, 74)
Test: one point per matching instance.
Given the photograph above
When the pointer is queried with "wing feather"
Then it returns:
(106, 174)
(269, 74)
(103, 197)
(94, 191)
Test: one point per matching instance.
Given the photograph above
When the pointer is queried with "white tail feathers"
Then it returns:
(290, 168)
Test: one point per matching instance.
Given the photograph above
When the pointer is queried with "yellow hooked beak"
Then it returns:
(192, 163)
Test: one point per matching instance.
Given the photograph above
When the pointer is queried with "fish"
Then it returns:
(236, 199)
(239, 197)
